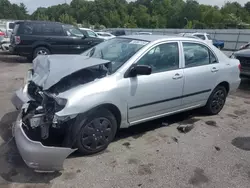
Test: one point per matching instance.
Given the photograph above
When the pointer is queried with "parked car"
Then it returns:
(105, 35)
(118, 33)
(7, 27)
(118, 83)
(219, 44)
(4, 44)
(244, 57)
(2, 35)
(33, 38)
(245, 46)
(143, 33)
(204, 36)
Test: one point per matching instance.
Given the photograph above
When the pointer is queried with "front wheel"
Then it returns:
(216, 101)
(96, 131)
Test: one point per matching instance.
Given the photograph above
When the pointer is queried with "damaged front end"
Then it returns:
(39, 134)
(43, 138)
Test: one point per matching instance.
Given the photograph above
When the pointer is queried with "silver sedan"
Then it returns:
(83, 100)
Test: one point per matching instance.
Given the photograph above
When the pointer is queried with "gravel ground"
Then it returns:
(215, 153)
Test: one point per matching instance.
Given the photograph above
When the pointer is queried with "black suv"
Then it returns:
(32, 38)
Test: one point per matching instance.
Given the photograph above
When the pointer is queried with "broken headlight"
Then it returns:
(60, 104)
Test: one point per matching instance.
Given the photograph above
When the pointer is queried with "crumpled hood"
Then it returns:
(243, 53)
(49, 70)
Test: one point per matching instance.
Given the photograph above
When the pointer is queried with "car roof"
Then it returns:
(36, 21)
(151, 38)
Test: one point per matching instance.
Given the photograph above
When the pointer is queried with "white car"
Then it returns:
(105, 35)
(204, 36)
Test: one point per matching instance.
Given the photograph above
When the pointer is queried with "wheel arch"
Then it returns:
(114, 110)
(226, 85)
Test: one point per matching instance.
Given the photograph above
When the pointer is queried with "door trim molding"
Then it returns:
(170, 99)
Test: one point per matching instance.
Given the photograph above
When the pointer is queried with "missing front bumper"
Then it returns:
(35, 154)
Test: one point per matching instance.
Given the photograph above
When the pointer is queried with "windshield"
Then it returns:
(73, 31)
(117, 50)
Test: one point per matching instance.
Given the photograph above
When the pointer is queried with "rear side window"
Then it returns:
(197, 55)
(53, 30)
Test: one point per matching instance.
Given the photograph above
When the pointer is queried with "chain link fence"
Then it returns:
(233, 38)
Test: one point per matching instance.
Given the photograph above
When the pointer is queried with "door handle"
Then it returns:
(214, 69)
(90, 42)
(177, 76)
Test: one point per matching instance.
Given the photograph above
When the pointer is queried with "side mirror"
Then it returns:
(140, 70)
(83, 37)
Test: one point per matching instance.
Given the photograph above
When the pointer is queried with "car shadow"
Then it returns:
(13, 169)
(6, 57)
(245, 84)
(244, 89)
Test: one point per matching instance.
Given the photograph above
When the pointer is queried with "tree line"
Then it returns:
(140, 13)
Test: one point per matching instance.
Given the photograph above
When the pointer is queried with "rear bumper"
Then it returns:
(35, 154)
(234, 86)
(20, 50)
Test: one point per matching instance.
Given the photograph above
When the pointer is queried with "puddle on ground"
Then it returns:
(242, 143)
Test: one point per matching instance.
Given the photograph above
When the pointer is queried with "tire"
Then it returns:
(216, 101)
(94, 131)
(40, 51)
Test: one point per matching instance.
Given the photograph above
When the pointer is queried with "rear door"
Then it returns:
(201, 73)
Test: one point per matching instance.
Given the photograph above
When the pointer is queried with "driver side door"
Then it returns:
(153, 96)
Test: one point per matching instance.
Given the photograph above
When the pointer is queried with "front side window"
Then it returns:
(72, 31)
(197, 55)
(91, 33)
(117, 50)
(163, 57)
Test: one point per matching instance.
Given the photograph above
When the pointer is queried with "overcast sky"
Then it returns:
(33, 4)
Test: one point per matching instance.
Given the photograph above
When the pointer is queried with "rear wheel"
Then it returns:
(96, 131)
(40, 51)
(216, 101)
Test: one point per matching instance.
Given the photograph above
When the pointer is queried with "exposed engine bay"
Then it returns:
(39, 119)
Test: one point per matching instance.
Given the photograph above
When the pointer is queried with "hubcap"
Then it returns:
(42, 52)
(218, 101)
(96, 134)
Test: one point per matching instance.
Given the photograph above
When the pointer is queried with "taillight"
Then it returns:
(239, 66)
(17, 39)
(2, 33)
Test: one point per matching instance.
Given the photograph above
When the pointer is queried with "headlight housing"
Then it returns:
(60, 103)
